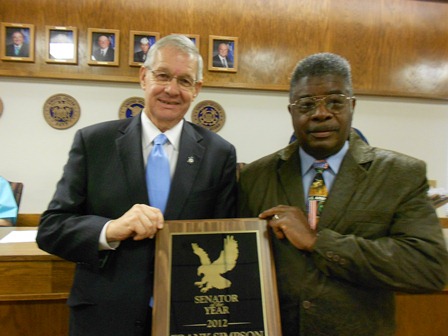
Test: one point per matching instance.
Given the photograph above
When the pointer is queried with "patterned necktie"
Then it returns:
(317, 194)
(158, 177)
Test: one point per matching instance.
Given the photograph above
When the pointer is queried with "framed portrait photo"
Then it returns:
(139, 44)
(223, 53)
(17, 42)
(62, 44)
(103, 46)
(195, 38)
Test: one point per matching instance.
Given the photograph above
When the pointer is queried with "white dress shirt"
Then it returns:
(171, 147)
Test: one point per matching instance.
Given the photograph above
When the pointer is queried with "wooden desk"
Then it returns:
(34, 287)
(443, 222)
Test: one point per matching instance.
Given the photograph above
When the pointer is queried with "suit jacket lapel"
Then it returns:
(129, 148)
(290, 176)
(353, 170)
(191, 153)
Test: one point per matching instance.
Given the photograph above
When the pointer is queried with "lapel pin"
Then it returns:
(190, 160)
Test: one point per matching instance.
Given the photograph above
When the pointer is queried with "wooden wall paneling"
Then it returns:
(396, 47)
(34, 318)
(421, 314)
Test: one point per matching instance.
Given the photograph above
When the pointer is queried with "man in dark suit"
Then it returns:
(221, 59)
(377, 232)
(18, 47)
(101, 216)
(104, 52)
(140, 56)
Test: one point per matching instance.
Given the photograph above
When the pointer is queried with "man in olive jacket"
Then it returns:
(378, 232)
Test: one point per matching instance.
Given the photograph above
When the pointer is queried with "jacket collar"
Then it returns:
(353, 170)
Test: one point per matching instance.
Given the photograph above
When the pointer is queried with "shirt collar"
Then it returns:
(334, 161)
(150, 131)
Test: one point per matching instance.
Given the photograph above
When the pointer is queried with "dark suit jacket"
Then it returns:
(378, 233)
(109, 57)
(103, 178)
(23, 52)
(138, 56)
(217, 62)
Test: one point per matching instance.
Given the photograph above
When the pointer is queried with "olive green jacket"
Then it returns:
(378, 233)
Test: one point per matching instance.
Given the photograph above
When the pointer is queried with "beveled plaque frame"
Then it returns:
(213, 46)
(175, 238)
(65, 41)
(134, 38)
(92, 42)
(7, 30)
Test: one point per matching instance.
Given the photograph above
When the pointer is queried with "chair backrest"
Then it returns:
(17, 188)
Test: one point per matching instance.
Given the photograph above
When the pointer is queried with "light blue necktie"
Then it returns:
(158, 177)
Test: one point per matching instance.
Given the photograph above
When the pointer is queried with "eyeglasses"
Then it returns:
(335, 103)
(164, 78)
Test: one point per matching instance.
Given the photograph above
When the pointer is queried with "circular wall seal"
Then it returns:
(131, 107)
(208, 114)
(61, 111)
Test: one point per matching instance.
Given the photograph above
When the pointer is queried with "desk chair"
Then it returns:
(17, 188)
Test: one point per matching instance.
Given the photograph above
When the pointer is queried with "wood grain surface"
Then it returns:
(396, 47)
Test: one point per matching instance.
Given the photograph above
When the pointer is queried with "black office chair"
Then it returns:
(17, 189)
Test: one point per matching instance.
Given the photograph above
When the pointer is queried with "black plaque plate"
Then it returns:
(215, 278)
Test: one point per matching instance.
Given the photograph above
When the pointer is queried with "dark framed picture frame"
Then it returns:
(188, 290)
(223, 53)
(103, 46)
(195, 38)
(139, 44)
(62, 45)
(17, 42)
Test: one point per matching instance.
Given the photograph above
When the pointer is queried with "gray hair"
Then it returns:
(181, 43)
(322, 64)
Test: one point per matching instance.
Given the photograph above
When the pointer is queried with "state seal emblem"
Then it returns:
(61, 111)
(131, 107)
(209, 114)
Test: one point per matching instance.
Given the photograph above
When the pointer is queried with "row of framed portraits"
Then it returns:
(17, 44)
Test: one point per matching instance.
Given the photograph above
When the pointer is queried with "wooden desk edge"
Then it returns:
(28, 220)
(34, 297)
(444, 222)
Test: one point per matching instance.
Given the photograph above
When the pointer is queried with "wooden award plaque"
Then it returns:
(215, 278)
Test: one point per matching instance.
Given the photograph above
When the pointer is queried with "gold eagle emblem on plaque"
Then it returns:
(211, 272)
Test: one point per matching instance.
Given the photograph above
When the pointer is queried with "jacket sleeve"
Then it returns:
(65, 229)
(400, 247)
(227, 199)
